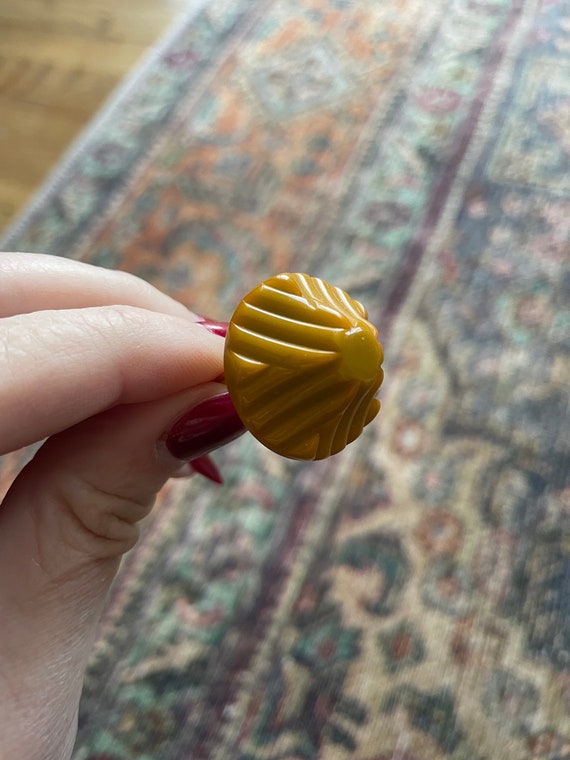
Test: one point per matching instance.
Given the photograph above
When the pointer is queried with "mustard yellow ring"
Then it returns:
(302, 365)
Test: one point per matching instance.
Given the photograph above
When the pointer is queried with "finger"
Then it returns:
(60, 367)
(36, 282)
(64, 524)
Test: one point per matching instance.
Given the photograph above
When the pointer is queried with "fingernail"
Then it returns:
(218, 328)
(207, 426)
(206, 466)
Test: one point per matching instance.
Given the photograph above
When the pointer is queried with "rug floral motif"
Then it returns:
(408, 599)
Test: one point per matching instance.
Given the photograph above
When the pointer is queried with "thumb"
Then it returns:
(64, 524)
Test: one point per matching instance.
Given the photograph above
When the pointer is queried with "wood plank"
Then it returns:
(43, 83)
(28, 124)
(68, 51)
(59, 61)
(13, 196)
(126, 22)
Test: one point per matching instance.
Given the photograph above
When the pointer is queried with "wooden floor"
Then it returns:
(59, 60)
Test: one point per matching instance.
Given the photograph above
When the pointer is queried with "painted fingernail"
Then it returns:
(218, 328)
(207, 467)
(211, 424)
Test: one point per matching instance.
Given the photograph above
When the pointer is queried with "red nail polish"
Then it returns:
(206, 466)
(218, 328)
(207, 426)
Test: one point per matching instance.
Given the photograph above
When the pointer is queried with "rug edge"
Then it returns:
(63, 165)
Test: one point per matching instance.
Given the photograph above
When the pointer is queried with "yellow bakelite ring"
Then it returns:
(302, 364)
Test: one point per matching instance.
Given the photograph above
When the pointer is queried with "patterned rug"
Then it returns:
(408, 599)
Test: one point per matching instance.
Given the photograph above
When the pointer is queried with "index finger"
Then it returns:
(37, 281)
(60, 367)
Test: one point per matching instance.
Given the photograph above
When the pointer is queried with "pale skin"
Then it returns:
(100, 364)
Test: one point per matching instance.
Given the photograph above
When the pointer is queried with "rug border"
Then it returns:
(64, 164)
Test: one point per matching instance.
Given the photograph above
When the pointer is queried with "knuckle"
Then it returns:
(117, 317)
(141, 289)
(97, 522)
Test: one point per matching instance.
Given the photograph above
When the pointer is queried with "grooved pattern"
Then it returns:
(302, 364)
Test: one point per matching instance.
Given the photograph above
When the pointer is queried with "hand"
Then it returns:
(101, 365)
